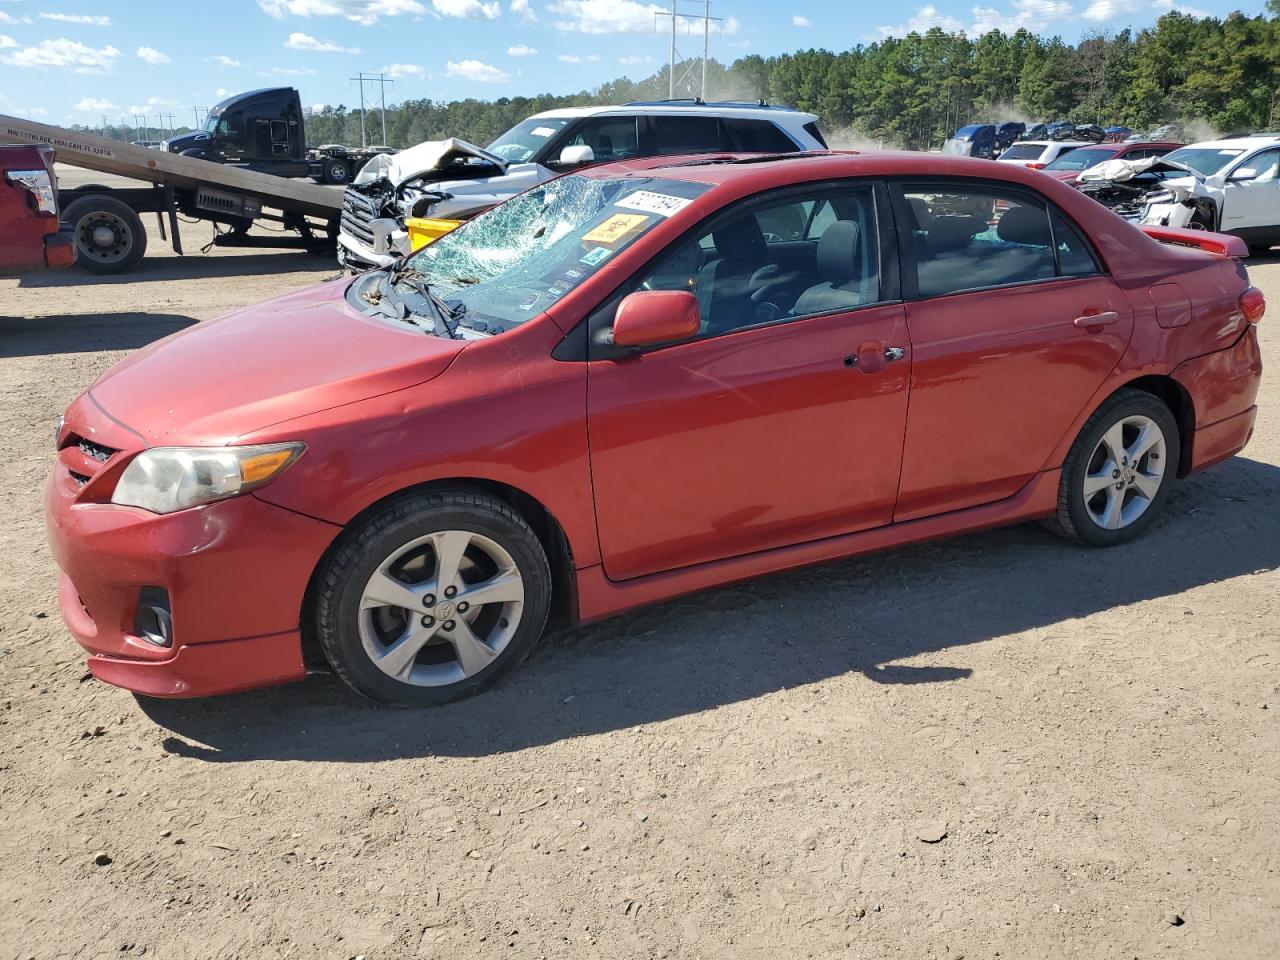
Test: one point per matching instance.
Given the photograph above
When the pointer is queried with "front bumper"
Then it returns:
(235, 573)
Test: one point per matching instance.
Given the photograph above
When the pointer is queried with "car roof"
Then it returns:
(687, 109)
(1055, 143)
(1236, 143)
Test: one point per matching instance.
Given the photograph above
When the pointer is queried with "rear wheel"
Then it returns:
(336, 171)
(433, 598)
(109, 236)
(1118, 473)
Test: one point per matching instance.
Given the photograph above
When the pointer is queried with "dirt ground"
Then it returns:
(745, 773)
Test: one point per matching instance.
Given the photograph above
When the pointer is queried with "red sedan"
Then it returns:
(1069, 166)
(629, 383)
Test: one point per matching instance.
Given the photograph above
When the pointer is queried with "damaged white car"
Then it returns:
(1231, 186)
(455, 180)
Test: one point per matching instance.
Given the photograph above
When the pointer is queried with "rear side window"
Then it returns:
(757, 136)
(687, 135)
(811, 128)
(980, 236)
(1023, 151)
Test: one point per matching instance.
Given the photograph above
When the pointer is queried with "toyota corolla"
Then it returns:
(630, 383)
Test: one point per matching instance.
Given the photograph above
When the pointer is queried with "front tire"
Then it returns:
(433, 598)
(1118, 473)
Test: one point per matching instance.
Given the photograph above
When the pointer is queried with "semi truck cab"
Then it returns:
(264, 130)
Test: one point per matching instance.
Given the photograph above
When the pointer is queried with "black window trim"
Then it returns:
(585, 342)
(909, 279)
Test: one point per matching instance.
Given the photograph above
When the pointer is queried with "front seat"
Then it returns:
(724, 285)
(838, 264)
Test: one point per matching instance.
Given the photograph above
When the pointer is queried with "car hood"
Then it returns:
(1118, 171)
(298, 354)
(426, 157)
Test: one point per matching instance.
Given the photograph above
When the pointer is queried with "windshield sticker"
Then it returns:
(617, 229)
(662, 204)
(528, 302)
(596, 256)
(557, 290)
(542, 131)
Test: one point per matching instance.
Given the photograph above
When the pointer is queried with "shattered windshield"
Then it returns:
(1203, 160)
(526, 138)
(514, 261)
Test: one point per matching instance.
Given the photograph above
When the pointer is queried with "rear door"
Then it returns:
(999, 290)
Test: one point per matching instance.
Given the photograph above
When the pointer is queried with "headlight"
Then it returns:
(39, 185)
(167, 479)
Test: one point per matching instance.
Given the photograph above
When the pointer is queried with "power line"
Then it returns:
(675, 16)
(382, 81)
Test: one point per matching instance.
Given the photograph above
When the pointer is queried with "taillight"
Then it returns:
(1036, 166)
(40, 190)
(1253, 304)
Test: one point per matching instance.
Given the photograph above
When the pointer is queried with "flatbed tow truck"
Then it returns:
(104, 220)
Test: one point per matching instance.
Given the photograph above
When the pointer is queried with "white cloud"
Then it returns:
(358, 11)
(31, 112)
(468, 9)
(318, 107)
(398, 71)
(799, 21)
(222, 92)
(64, 54)
(632, 61)
(605, 16)
(7, 43)
(521, 50)
(152, 105)
(302, 41)
(224, 60)
(91, 20)
(152, 55)
(287, 72)
(1033, 15)
(10, 18)
(96, 105)
(574, 58)
(526, 12)
(476, 72)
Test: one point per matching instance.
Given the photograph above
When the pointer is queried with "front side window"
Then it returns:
(610, 138)
(676, 135)
(979, 236)
(1264, 166)
(512, 262)
(806, 255)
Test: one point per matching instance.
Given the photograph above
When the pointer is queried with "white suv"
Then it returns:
(1232, 186)
(453, 179)
(1038, 154)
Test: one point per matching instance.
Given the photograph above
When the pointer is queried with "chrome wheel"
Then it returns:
(441, 608)
(1125, 472)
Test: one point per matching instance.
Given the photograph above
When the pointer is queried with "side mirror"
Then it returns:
(576, 156)
(1240, 174)
(650, 317)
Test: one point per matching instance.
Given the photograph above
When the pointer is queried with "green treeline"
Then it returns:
(915, 90)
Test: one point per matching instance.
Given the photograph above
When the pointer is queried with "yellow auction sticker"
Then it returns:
(617, 228)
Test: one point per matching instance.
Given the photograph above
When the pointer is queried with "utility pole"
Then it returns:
(382, 81)
(706, 19)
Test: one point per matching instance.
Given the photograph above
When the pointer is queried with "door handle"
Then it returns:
(870, 354)
(1096, 319)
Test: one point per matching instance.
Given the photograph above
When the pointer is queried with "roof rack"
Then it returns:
(699, 102)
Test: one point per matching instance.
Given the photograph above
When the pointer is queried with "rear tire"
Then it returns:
(109, 235)
(336, 171)
(392, 613)
(1118, 473)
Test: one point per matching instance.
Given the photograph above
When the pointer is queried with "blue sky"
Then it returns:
(64, 61)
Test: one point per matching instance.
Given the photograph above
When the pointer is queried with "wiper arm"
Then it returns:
(449, 317)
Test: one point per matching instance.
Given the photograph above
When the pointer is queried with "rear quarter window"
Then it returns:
(757, 136)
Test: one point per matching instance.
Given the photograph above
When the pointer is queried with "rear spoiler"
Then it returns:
(1222, 244)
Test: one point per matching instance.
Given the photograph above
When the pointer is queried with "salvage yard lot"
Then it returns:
(742, 773)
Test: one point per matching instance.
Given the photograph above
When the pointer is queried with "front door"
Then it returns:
(1251, 199)
(1014, 327)
(782, 422)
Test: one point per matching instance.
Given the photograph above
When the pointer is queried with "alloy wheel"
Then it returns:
(1126, 470)
(441, 608)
